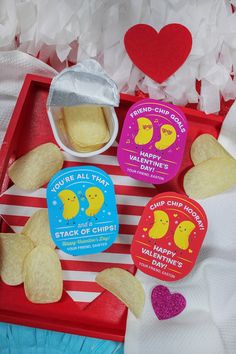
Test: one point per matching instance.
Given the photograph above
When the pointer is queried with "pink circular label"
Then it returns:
(152, 141)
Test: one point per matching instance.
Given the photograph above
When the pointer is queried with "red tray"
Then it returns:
(106, 316)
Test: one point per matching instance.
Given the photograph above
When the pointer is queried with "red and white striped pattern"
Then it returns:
(79, 272)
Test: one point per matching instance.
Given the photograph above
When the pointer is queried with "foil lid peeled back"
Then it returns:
(83, 84)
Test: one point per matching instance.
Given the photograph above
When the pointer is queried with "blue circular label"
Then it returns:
(82, 210)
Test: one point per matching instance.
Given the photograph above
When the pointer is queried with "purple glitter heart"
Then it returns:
(165, 304)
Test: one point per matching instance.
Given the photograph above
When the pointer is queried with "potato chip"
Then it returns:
(125, 287)
(36, 168)
(89, 148)
(86, 127)
(38, 229)
(43, 276)
(206, 147)
(210, 177)
(62, 128)
(13, 250)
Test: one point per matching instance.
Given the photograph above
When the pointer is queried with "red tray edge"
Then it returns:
(37, 322)
(59, 327)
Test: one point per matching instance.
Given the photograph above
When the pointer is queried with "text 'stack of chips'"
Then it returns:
(34, 169)
(38, 229)
(13, 250)
(43, 276)
(125, 287)
(210, 177)
(206, 147)
(86, 127)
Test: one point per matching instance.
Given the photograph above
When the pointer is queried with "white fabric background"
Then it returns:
(208, 323)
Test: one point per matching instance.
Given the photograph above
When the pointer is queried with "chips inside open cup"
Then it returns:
(60, 130)
(81, 110)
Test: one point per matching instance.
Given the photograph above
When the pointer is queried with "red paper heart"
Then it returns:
(158, 55)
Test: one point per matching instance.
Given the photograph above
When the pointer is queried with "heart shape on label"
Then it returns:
(145, 229)
(158, 55)
(165, 304)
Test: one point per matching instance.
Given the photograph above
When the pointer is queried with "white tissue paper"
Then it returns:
(62, 32)
(208, 323)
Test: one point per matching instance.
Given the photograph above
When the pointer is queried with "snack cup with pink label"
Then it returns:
(152, 141)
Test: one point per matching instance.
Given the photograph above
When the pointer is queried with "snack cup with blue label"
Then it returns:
(82, 210)
(81, 110)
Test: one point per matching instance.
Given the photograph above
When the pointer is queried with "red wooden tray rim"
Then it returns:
(106, 316)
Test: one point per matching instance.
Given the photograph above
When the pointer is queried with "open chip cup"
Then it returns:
(83, 86)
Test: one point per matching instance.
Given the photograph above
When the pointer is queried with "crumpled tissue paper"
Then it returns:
(62, 32)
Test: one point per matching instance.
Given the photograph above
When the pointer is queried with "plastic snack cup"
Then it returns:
(80, 85)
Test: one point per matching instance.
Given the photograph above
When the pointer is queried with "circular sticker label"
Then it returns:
(152, 141)
(169, 236)
(82, 210)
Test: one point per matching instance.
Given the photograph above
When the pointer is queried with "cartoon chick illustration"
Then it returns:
(168, 137)
(182, 233)
(70, 203)
(145, 131)
(160, 226)
(95, 199)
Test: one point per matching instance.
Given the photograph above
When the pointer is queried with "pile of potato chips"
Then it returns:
(29, 257)
(214, 171)
(86, 127)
